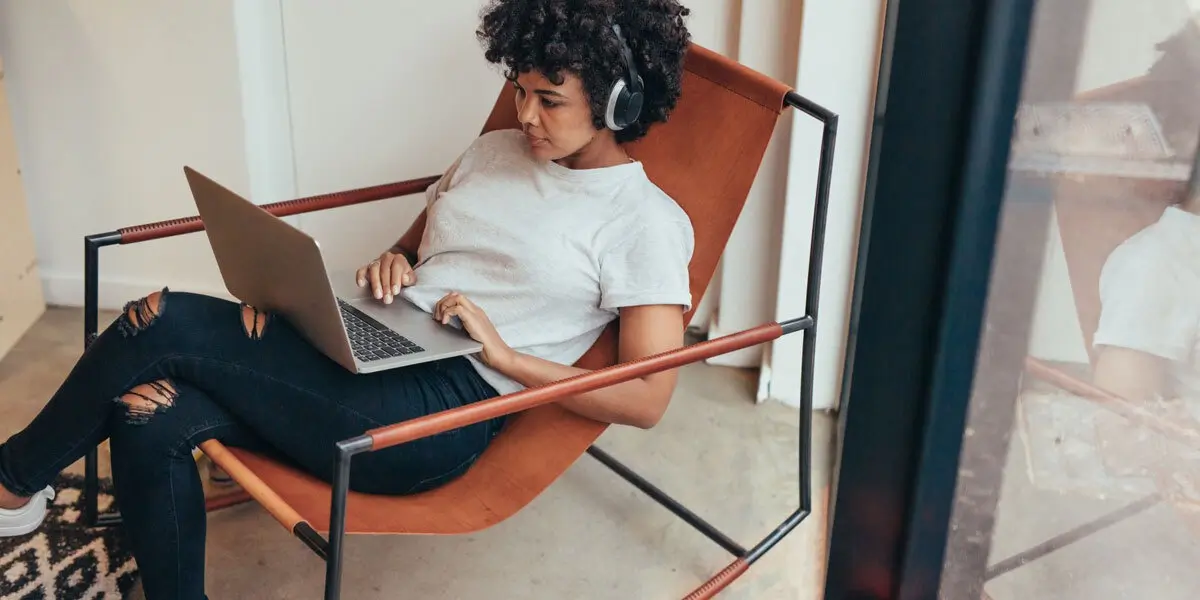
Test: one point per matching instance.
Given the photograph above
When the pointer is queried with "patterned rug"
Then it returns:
(64, 560)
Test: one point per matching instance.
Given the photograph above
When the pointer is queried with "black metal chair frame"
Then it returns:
(330, 549)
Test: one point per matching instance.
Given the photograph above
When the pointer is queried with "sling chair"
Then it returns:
(706, 158)
(1095, 215)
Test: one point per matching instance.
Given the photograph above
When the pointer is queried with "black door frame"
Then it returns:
(950, 80)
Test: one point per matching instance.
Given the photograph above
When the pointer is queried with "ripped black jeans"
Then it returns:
(178, 369)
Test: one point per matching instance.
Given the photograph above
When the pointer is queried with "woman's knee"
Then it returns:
(144, 313)
(254, 321)
(143, 402)
(145, 420)
(138, 315)
(166, 416)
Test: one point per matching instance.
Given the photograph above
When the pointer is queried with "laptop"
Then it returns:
(269, 264)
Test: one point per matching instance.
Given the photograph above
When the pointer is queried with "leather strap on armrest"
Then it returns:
(163, 229)
(516, 402)
(719, 581)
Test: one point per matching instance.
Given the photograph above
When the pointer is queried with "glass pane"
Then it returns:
(1080, 474)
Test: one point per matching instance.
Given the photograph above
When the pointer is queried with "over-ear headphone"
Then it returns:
(625, 100)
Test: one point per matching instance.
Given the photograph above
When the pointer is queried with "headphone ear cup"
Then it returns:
(616, 112)
(633, 109)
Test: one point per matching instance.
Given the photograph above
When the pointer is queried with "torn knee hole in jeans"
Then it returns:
(140, 314)
(254, 321)
(148, 399)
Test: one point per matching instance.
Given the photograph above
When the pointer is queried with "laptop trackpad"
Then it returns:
(404, 318)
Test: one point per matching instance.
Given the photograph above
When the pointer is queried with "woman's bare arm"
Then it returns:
(1130, 374)
(645, 331)
(411, 240)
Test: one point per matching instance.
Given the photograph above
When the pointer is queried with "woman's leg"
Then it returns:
(178, 368)
(157, 485)
(262, 371)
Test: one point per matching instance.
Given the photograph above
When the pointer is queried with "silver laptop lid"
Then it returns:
(271, 265)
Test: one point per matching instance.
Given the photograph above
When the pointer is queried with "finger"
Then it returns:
(399, 274)
(437, 308)
(449, 313)
(374, 276)
(360, 277)
(409, 276)
(385, 276)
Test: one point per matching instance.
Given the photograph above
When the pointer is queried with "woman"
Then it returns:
(1147, 342)
(535, 240)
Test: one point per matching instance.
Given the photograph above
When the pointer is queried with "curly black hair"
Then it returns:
(576, 36)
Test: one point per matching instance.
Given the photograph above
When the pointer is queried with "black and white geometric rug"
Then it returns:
(64, 560)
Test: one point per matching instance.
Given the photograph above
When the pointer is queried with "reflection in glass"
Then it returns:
(1080, 475)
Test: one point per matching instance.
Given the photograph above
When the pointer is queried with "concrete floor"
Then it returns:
(1071, 462)
(590, 535)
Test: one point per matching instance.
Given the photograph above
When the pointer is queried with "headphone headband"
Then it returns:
(635, 82)
(626, 97)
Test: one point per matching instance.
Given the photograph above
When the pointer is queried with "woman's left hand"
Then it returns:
(478, 326)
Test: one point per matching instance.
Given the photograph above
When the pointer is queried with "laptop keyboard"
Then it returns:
(370, 340)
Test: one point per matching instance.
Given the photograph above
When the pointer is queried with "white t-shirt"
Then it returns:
(1150, 298)
(550, 254)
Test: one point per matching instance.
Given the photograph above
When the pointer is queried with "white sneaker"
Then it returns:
(27, 518)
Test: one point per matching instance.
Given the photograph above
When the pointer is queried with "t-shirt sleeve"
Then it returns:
(649, 266)
(439, 187)
(1141, 307)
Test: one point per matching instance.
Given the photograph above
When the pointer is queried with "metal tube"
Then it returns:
(346, 450)
(812, 109)
(91, 294)
(778, 534)
(91, 488)
(813, 292)
(670, 503)
(794, 325)
(312, 539)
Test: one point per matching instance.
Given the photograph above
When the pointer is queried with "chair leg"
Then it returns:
(667, 502)
(91, 488)
(333, 572)
(337, 512)
(90, 499)
(337, 528)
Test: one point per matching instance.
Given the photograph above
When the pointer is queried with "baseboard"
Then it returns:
(764, 383)
(61, 289)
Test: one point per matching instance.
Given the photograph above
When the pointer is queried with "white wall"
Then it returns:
(109, 101)
(272, 99)
(371, 102)
(839, 61)
(768, 35)
(1118, 45)
(1120, 38)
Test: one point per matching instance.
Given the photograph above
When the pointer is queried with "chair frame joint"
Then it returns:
(794, 325)
(355, 445)
(312, 539)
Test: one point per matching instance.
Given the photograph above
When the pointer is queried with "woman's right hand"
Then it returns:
(386, 275)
